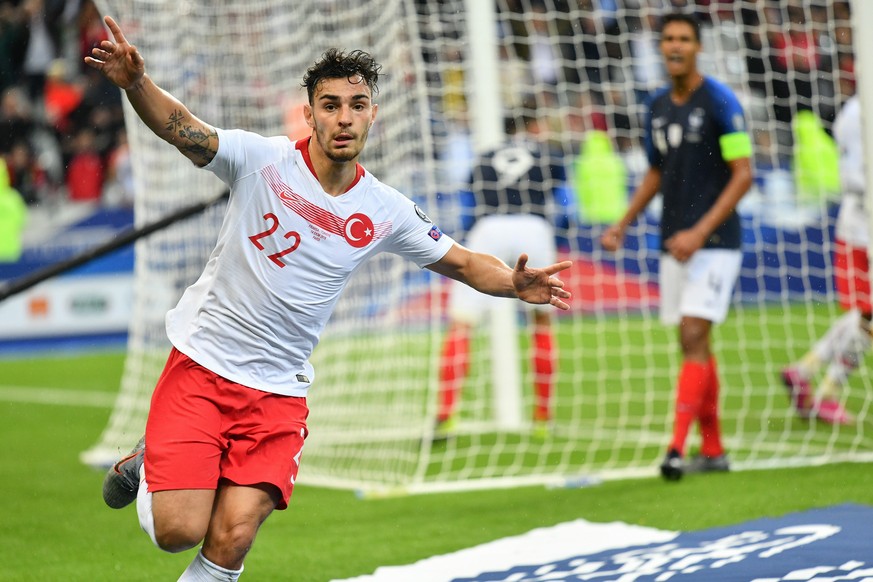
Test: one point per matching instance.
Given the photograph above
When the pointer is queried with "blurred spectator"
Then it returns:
(42, 45)
(600, 181)
(25, 173)
(816, 162)
(119, 189)
(85, 170)
(16, 118)
(13, 42)
(63, 96)
(647, 65)
(545, 60)
(91, 31)
(583, 115)
(755, 38)
(795, 57)
(514, 77)
(98, 92)
(13, 216)
(595, 31)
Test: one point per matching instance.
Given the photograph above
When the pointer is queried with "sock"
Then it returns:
(454, 363)
(544, 371)
(202, 570)
(710, 431)
(830, 344)
(693, 381)
(845, 362)
(144, 507)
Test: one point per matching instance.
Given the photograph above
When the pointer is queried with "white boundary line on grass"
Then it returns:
(57, 396)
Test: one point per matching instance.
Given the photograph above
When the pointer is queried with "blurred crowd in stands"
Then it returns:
(61, 125)
(596, 62)
(593, 62)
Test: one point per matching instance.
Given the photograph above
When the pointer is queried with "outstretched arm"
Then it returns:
(488, 274)
(166, 116)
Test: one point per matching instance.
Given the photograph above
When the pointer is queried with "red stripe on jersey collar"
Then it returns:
(303, 146)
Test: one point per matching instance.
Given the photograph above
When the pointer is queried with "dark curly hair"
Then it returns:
(337, 64)
(688, 19)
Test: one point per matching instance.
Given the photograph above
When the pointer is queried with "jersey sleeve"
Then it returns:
(652, 153)
(416, 237)
(241, 153)
(734, 139)
(847, 133)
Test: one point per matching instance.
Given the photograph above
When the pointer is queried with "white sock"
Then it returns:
(845, 362)
(833, 342)
(202, 570)
(144, 507)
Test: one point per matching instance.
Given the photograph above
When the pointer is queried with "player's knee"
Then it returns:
(234, 541)
(694, 337)
(177, 536)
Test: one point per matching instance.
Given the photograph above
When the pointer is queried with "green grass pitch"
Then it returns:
(55, 526)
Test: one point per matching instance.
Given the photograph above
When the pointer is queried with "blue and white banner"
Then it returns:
(821, 545)
(95, 298)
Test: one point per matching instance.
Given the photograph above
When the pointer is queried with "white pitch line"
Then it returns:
(57, 396)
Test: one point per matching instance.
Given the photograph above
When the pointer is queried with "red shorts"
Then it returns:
(202, 428)
(851, 274)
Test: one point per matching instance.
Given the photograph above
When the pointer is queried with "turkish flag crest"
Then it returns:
(358, 230)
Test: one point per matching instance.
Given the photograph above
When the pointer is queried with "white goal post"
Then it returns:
(238, 63)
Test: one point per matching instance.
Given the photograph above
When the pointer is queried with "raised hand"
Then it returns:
(538, 285)
(119, 61)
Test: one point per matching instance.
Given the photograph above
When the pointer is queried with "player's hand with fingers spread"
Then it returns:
(539, 285)
(119, 61)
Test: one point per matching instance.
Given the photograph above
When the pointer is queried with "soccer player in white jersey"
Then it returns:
(843, 347)
(228, 415)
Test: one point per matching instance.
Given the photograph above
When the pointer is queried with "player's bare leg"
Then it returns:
(238, 514)
(181, 517)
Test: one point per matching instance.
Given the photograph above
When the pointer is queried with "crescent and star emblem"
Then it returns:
(358, 230)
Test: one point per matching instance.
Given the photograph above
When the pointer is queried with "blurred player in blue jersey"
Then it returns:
(843, 347)
(699, 160)
(513, 186)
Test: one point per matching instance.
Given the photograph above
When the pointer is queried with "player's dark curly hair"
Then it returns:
(685, 17)
(337, 64)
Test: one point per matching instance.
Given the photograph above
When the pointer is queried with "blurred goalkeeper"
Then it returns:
(699, 156)
(843, 347)
(513, 187)
(227, 419)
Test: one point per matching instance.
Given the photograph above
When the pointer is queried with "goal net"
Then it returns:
(588, 66)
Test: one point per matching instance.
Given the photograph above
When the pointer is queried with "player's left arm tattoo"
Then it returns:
(197, 142)
(201, 144)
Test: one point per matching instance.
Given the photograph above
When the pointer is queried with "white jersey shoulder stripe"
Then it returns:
(313, 213)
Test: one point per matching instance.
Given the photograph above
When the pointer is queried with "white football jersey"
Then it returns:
(851, 224)
(285, 251)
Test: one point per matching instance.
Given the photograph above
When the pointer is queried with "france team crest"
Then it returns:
(831, 544)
